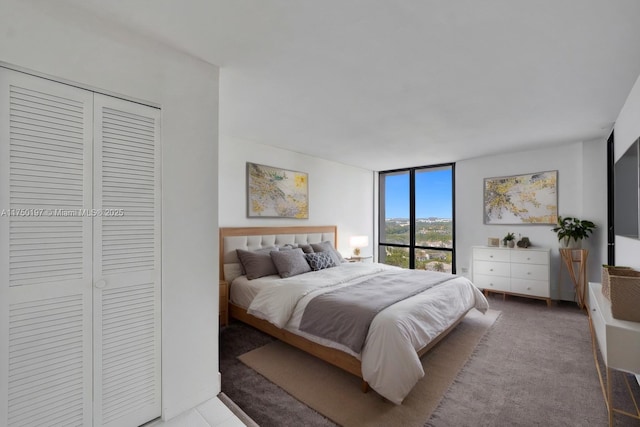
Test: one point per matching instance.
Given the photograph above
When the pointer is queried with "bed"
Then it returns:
(387, 357)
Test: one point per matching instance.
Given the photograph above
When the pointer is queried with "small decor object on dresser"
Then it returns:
(509, 240)
(493, 241)
(523, 243)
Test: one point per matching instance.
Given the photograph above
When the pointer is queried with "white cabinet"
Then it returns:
(619, 340)
(513, 271)
(619, 343)
(79, 256)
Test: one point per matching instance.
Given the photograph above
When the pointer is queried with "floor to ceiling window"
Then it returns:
(416, 220)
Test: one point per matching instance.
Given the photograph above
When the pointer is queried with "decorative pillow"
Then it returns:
(320, 260)
(288, 246)
(290, 262)
(328, 247)
(258, 251)
(307, 249)
(257, 263)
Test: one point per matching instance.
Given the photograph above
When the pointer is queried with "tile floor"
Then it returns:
(212, 413)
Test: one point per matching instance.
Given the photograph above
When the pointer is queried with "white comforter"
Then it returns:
(390, 363)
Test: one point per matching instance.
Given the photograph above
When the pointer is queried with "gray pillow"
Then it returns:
(287, 247)
(257, 263)
(307, 249)
(328, 247)
(290, 262)
(258, 251)
(320, 260)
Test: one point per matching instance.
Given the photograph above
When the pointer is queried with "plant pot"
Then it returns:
(511, 243)
(569, 243)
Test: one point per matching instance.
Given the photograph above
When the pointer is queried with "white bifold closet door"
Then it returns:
(79, 256)
(126, 263)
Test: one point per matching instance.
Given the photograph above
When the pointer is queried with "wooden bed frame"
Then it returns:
(330, 355)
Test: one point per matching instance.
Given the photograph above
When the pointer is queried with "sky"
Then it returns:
(433, 194)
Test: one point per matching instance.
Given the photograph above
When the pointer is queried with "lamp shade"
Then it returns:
(359, 241)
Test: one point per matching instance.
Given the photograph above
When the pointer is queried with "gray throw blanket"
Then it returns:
(344, 315)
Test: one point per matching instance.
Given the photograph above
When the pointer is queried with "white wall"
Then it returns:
(65, 43)
(627, 130)
(338, 194)
(581, 192)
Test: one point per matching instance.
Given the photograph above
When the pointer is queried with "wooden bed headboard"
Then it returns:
(252, 238)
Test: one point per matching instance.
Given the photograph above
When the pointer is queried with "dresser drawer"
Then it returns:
(530, 271)
(490, 254)
(536, 288)
(491, 268)
(530, 257)
(492, 283)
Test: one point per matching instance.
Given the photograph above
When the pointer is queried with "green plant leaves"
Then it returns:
(573, 228)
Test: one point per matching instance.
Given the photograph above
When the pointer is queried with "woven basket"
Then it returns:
(625, 296)
(609, 270)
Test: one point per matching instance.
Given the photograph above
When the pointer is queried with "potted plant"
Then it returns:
(509, 240)
(571, 231)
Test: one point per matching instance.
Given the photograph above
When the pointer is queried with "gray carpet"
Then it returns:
(533, 368)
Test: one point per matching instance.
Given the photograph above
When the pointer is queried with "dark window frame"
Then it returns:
(412, 214)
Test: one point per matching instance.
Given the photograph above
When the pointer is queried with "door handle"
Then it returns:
(100, 284)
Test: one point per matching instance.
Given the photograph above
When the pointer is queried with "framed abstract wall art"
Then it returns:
(276, 193)
(521, 199)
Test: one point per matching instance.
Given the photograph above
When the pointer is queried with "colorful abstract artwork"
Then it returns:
(521, 199)
(276, 193)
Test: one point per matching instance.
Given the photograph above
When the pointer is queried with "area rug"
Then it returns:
(337, 394)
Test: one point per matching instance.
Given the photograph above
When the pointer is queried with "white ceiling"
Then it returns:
(384, 84)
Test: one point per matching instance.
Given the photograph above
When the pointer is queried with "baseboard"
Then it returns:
(237, 411)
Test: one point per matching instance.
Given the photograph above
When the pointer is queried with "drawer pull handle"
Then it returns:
(490, 256)
(528, 288)
(528, 258)
(528, 272)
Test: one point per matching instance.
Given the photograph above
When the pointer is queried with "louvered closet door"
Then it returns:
(45, 252)
(126, 263)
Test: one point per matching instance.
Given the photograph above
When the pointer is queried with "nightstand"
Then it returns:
(358, 258)
(224, 303)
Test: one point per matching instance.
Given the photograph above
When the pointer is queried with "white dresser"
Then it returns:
(522, 272)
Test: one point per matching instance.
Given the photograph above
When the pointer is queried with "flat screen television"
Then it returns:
(627, 193)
